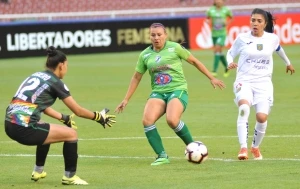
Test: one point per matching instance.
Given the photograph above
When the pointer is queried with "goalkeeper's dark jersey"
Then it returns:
(37, 92)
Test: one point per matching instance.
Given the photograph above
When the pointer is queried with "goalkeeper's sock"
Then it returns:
(70, 174)
(41, 155)
(154, 139)
(70, 157)
(38, 169)
(183, 132)
(259, 133)
(242, 124)
(216, 62)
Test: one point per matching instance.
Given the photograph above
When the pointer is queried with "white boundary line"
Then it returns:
(143, 138)
(129, 157)
(173, 137)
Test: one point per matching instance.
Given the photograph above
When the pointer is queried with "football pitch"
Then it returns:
(119, 157)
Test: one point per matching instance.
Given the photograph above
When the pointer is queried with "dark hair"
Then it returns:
(156, 25)
(215, 4)
(269, 18)
(54, 57)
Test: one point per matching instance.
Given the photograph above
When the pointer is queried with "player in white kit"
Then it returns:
(253, 85)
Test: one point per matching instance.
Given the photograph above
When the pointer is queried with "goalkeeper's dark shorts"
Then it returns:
(32, 135)
(180, 94)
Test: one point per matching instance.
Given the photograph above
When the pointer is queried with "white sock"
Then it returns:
(242, 124)
(259, 133)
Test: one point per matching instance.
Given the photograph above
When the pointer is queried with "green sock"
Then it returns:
(224, 61)
(183, 132)
(216, 62)
(155, 140)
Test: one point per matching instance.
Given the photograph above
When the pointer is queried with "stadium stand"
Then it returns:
(41, 6)
(47, 6)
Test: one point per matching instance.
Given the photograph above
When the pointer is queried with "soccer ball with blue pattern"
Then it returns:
(196, 152)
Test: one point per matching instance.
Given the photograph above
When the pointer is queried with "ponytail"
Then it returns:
(270, 22)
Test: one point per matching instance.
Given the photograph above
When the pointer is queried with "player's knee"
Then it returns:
(261, 118)
(244, 111)
(147, 121)
(172, 122)
(73, 135)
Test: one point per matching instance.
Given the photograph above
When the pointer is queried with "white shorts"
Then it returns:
(259, 95)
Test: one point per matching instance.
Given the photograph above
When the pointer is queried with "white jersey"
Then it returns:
(255, 63)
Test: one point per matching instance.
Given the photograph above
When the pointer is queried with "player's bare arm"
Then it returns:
(201, 67)
(77, 109)
(52, 113)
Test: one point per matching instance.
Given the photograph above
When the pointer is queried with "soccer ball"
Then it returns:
(196, 152)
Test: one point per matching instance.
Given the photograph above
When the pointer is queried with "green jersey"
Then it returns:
(218, 17)
(165, 67)
(35, 94)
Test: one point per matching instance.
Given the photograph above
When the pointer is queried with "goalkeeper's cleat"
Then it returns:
(75, 180)
(161, 160)
(243, 154)
(256, 154)
(36, 175)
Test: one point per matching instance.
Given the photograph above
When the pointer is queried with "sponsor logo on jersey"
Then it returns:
(162, 79)
(38, 92)
(258, 61)
(259, 47)
(161, 68)
(171, 49)
(19, 112)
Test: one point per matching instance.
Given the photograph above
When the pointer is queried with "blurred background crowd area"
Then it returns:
(131, 8)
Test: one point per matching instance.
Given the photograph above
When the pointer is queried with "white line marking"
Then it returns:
(130, 157)
(198, 137)
(173, 137)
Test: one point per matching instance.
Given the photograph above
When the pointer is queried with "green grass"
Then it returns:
(120, 157)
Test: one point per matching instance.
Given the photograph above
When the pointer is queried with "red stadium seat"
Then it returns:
(46, 6)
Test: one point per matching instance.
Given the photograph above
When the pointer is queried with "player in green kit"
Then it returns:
(163, 60)
(219, 16)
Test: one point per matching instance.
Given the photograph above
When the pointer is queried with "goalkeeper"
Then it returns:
(35, 96)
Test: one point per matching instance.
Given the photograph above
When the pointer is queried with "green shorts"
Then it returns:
(180, 94)
(220, 40)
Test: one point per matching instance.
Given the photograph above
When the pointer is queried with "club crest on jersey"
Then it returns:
(259, 47)
(157, 58)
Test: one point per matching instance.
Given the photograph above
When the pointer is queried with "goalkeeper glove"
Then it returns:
(104, 119)
(68, 120)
